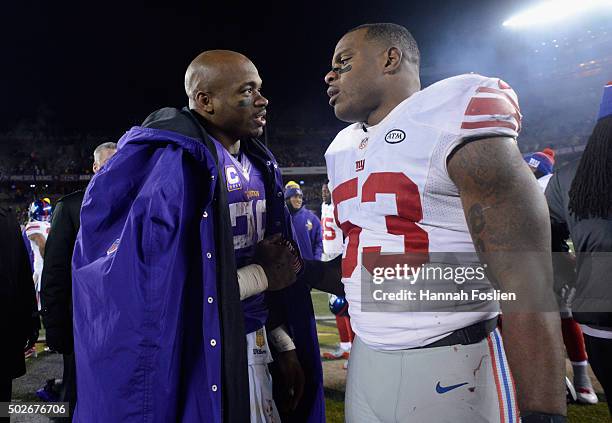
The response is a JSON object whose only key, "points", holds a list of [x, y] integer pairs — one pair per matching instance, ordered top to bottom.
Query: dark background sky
{"points": [[103, 66]]}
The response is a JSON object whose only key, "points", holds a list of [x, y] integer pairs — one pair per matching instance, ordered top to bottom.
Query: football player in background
{"points": [[541, 164], [438, 170], [580, 204], [37, 230], [332, 234], [332, 248]]}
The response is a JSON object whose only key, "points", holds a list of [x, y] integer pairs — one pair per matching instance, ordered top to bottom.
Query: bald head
{"points": [[209, 72], [224, 88], [102, 154]]}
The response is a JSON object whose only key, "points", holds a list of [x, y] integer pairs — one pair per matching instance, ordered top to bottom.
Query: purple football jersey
{"points": [[246, 195]]}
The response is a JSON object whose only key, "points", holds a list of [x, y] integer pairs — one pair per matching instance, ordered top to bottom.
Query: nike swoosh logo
{"points": [[445, 389]]}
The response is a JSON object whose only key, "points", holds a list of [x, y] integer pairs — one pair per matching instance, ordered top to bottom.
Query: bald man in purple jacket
{"points": [[161, 257]]}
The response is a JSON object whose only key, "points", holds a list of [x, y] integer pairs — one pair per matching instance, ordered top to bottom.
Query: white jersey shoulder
{"points": [[469, 105], [451, 110], [392, 191]]}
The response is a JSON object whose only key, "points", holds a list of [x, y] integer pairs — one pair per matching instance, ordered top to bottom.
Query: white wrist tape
{"points": [[252, 280], [280, 339]]}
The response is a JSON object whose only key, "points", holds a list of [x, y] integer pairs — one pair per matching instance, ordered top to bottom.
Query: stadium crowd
{"points": [[40, 156]]}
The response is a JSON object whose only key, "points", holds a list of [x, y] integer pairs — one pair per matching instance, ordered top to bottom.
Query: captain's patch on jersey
{"points": [[395, 136], [232, 178]]}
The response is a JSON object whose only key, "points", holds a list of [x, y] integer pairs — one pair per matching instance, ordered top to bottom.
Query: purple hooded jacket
{"points": [[309, 233], [153, 280]]}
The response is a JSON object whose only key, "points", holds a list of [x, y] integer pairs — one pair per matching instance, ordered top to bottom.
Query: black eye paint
{"points": [[345, 69], [245, 103]]}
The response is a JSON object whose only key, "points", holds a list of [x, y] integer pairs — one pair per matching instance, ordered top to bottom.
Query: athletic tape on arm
{"points": [[252, 280], [280, 339]]}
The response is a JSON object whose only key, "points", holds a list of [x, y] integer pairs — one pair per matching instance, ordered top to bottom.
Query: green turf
{"points": [[320, 302], [328, 334], [334, 407], [588, 413]]}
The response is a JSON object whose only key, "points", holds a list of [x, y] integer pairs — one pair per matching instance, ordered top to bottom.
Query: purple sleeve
{"points": [[316, 236]]}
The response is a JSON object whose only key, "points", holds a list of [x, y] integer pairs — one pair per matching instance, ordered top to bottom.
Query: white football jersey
{"points": [[392, 193], [42, 228], [332, 235]]}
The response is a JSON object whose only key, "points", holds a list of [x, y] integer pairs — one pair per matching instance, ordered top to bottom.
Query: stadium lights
{"points": [[554, 10]]}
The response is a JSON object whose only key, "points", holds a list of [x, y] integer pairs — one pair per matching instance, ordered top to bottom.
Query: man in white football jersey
{"points": [[438, 170], [37, 230], [332, 235], [332, 248]]}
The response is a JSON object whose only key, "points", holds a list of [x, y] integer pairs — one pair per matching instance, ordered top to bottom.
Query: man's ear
{"points": [[393, 59], [204, 102]]}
